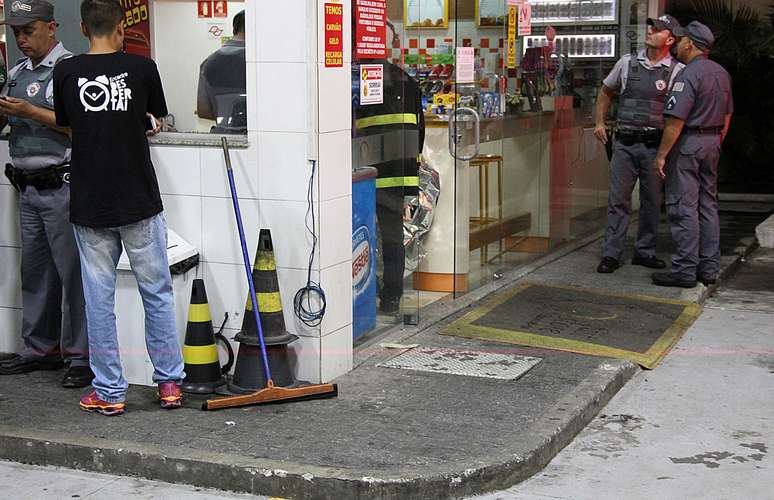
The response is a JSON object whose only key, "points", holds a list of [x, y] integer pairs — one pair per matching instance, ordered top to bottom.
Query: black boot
{"points": [[652, 262], [608, 265], [669, 279], [19, 364], [77, 376]]}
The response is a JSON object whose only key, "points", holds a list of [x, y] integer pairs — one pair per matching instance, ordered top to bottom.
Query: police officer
{"points": [[642, 82], [222, 94], [400, 113], [698, 113], [53, 329]]}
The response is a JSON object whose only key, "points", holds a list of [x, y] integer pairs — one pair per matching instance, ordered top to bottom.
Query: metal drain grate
{"points": [[467, 363]]}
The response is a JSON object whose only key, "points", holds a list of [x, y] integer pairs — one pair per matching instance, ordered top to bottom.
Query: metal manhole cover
{"points": [[467, 363]]}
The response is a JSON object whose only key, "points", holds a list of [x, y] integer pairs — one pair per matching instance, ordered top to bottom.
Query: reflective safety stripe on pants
{"points": [[391, 182]]}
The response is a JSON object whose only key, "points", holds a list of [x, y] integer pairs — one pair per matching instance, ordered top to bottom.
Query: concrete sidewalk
{"points": [[390, 434]]}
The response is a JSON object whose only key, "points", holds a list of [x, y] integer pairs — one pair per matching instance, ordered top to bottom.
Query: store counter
{"points": [[553, 171]]}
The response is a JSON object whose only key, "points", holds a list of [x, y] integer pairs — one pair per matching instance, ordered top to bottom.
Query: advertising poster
{"points": [[513, 16], [525, 18], [137, 27], [370, 29], [334, 33], [465, 65], [371, 84]]}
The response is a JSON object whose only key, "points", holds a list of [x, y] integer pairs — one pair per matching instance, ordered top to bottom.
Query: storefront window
{"points": [[199, 48], [200, 52], [510, 168]]}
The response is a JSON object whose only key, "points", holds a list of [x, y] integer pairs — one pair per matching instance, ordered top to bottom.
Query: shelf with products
{"points": [[558, 12], [597, 46]]}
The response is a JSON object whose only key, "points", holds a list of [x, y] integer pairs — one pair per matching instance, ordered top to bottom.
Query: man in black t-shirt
{"points": [[106, 97]]}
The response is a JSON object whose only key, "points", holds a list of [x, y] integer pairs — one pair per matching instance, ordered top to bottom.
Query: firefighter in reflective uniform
{"points": [[642, 81], [400, 111], [698, 114], [53, 316]]}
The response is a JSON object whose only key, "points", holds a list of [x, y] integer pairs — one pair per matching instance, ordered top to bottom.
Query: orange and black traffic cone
{"points": [[203, 373], [249, 375]]}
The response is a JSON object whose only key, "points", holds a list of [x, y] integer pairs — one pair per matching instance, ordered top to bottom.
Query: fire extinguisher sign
{"points": [[371, 84]]}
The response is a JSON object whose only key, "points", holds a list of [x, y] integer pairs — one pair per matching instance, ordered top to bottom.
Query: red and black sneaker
{"points": [[170, 395], [91, 402]]}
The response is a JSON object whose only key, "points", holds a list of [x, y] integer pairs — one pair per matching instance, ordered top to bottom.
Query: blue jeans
{"points": [[146, 246]]}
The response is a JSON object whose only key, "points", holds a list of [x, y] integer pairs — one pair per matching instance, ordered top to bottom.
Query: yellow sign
{"points": [[512, 21]]}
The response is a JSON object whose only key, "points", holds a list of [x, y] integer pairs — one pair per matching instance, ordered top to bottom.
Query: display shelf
{"points": [[559, 12], [598, 46]]}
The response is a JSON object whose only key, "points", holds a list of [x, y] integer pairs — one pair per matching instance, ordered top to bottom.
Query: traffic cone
{"points": [[202, 367], [249, 375]]}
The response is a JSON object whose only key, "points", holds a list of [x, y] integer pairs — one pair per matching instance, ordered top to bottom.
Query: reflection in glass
{"points": [[222, 94]]}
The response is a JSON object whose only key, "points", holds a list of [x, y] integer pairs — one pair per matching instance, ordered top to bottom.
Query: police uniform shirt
{"points": [[57, 53], [618, 76], [701, 96]]}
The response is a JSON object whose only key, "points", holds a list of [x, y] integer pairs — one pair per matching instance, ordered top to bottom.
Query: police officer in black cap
{"points": [[642, 81], [698, 113], [53, 317]]}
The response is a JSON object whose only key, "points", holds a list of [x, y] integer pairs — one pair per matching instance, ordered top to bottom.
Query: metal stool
{"points": [[482, 162]]}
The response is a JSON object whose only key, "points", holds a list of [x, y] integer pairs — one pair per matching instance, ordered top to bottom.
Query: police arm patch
{"points": [[678, 87], [671, 103]]}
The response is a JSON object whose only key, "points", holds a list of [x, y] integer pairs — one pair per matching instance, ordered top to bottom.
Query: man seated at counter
{"points": [[642, 83], [222, 94]]}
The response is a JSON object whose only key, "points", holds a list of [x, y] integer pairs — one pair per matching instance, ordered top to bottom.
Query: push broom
{"points": [[270, 393]]}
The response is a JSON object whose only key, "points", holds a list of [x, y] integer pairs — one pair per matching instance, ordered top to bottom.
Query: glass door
{"points": [[456, 50]]}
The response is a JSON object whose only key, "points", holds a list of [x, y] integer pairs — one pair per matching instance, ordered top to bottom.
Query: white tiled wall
{"points": [[286, 77], [284, 85], [335, 96], [335, 165], [283, 168], [177, 170], [9, 216], [336, 227], [10, 282], [337, 283], [10, 339], [336, 353]]}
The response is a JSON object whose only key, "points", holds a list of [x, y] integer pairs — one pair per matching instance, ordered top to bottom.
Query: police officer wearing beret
{"points": [[642, 81], [698, 113], [53, 317]]}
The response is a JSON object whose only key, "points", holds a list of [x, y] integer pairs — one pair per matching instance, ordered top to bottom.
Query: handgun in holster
{"points": [[9, 173]]}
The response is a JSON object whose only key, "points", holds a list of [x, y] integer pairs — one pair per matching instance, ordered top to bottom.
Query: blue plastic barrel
{"points": [[363, 250]]}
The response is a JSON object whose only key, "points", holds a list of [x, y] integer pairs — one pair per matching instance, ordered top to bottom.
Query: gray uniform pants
{"points": [[627, 165], [692, 205], [51, 272]]}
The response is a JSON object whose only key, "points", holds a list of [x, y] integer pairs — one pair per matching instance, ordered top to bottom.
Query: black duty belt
{"points": [[703, 130], [630, 137], [43, 178]]}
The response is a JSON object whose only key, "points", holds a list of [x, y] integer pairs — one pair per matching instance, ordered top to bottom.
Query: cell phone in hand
{"points": [[151, 124]]}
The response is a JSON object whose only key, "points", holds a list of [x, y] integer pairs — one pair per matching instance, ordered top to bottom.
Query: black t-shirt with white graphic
{"points": [[104, 98]]}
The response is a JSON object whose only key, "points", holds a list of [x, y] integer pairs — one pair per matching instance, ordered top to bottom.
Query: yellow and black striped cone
{"points": [[202, 367], [249, 375]]}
